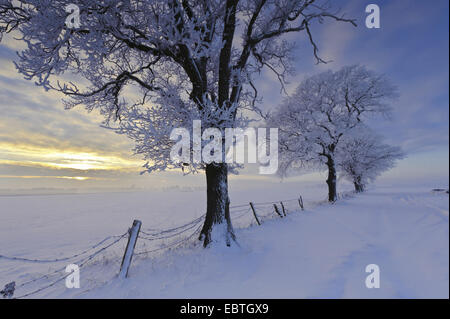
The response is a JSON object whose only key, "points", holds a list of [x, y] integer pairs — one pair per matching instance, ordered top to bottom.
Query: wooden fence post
{"points": [[300, 202], [282, 208], [277, 211], [254, 213], [132, 239]]}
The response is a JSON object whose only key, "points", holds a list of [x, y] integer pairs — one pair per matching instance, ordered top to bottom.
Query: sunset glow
{"points": [[46, 163], [78, 178]]}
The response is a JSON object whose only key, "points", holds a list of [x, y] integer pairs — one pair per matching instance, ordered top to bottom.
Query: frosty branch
{"points": [[324, 109], [362, 157]]}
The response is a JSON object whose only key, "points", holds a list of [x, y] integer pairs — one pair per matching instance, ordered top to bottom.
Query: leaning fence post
{"points": [[300, 202], [282, 208], [277, 211], [254, 213], [132, 239]]}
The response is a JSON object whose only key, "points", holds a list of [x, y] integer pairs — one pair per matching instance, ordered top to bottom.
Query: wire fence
{"points": [[149, 241], [81, 263]]}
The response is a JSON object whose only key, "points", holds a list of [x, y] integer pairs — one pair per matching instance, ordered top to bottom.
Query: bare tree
{"points": [[156, 65], [323, 109], [362, 157]]}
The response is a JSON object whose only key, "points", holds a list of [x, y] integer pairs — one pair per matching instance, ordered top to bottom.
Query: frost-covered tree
{"points": [[156, 65], [323, 109], [362, 157]]}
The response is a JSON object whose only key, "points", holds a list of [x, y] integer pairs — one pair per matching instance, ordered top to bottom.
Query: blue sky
{"points": [[42, 145]]}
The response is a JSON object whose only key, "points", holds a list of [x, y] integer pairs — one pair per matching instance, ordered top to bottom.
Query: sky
{"points": [[46, 148]]}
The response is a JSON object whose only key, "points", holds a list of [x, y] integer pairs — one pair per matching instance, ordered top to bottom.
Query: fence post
{"points": [[300, 202], [282, 208], [277, 211], [254, 213], [132, 239]]}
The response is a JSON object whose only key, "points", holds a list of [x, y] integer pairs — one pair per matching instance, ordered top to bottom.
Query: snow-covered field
{"points": [[321, 252]]}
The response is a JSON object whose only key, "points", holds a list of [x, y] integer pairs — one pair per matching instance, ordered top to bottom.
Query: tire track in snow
{"points": [[386, 237]]}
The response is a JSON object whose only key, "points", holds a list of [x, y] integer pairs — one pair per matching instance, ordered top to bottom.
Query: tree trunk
{"points": [[331, 180], [359, 187], [217, 226]]}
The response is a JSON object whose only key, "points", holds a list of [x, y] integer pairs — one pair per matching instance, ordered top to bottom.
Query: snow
{"points": [[321, 252]]}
